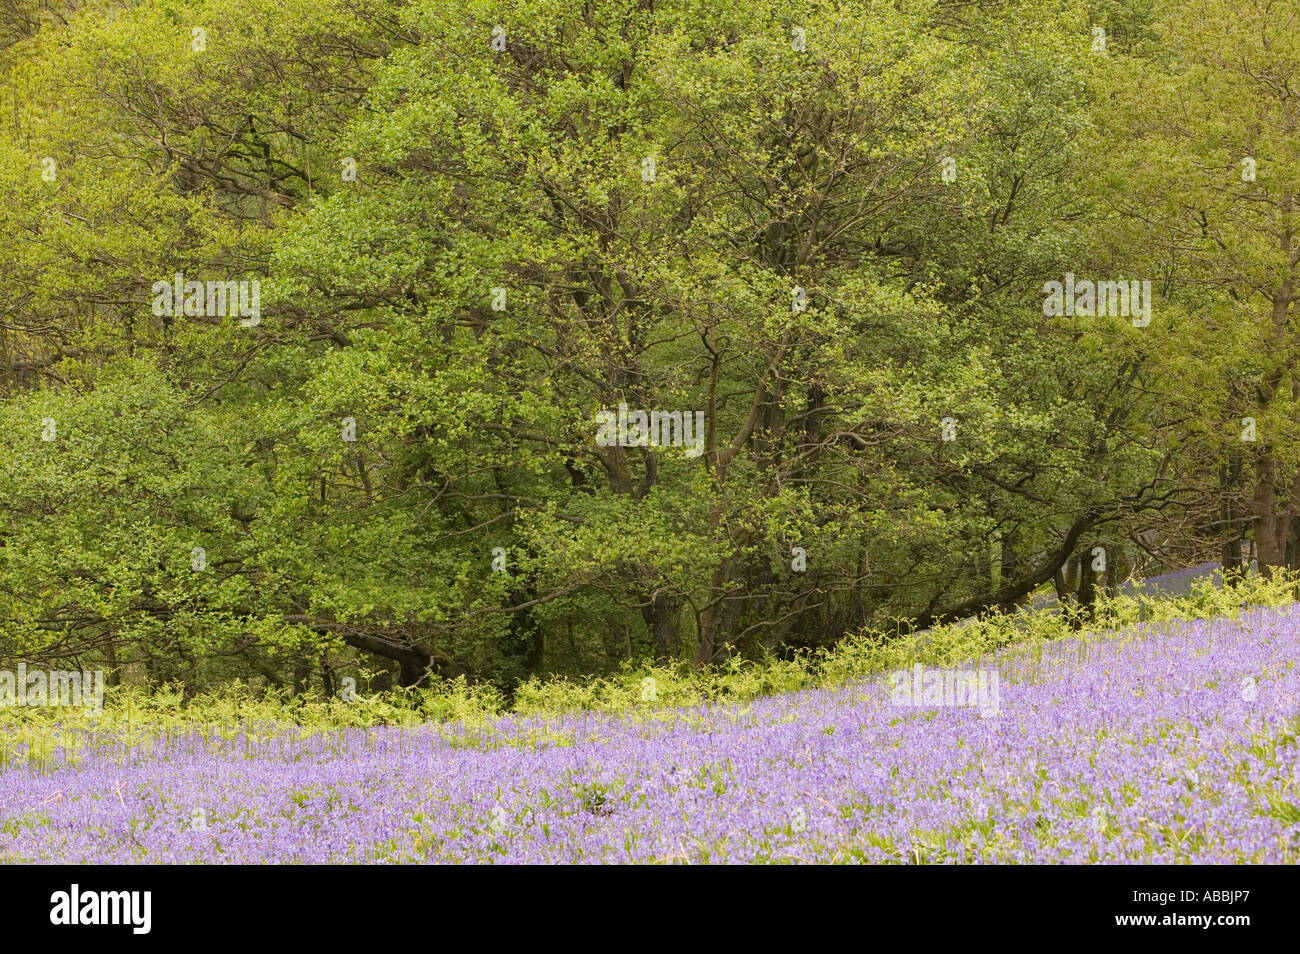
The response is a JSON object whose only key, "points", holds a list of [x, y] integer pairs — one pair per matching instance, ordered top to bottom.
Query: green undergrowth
{"points": [[133, 715]]}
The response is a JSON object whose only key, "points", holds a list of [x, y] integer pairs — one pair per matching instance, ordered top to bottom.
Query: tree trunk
{"points": [[1272, 518], [1269, 549], [1230, 554], [1009, 563], [1087, 597], [663, 618], [707, 639], [414, 658], [411, 673], [114, 675], [326, 676]]}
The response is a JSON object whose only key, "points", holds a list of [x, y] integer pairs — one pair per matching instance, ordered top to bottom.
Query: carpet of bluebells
{"points": [[1161, 743]]}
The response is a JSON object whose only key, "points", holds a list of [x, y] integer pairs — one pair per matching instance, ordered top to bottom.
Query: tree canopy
{"points": [[326, 326]]}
